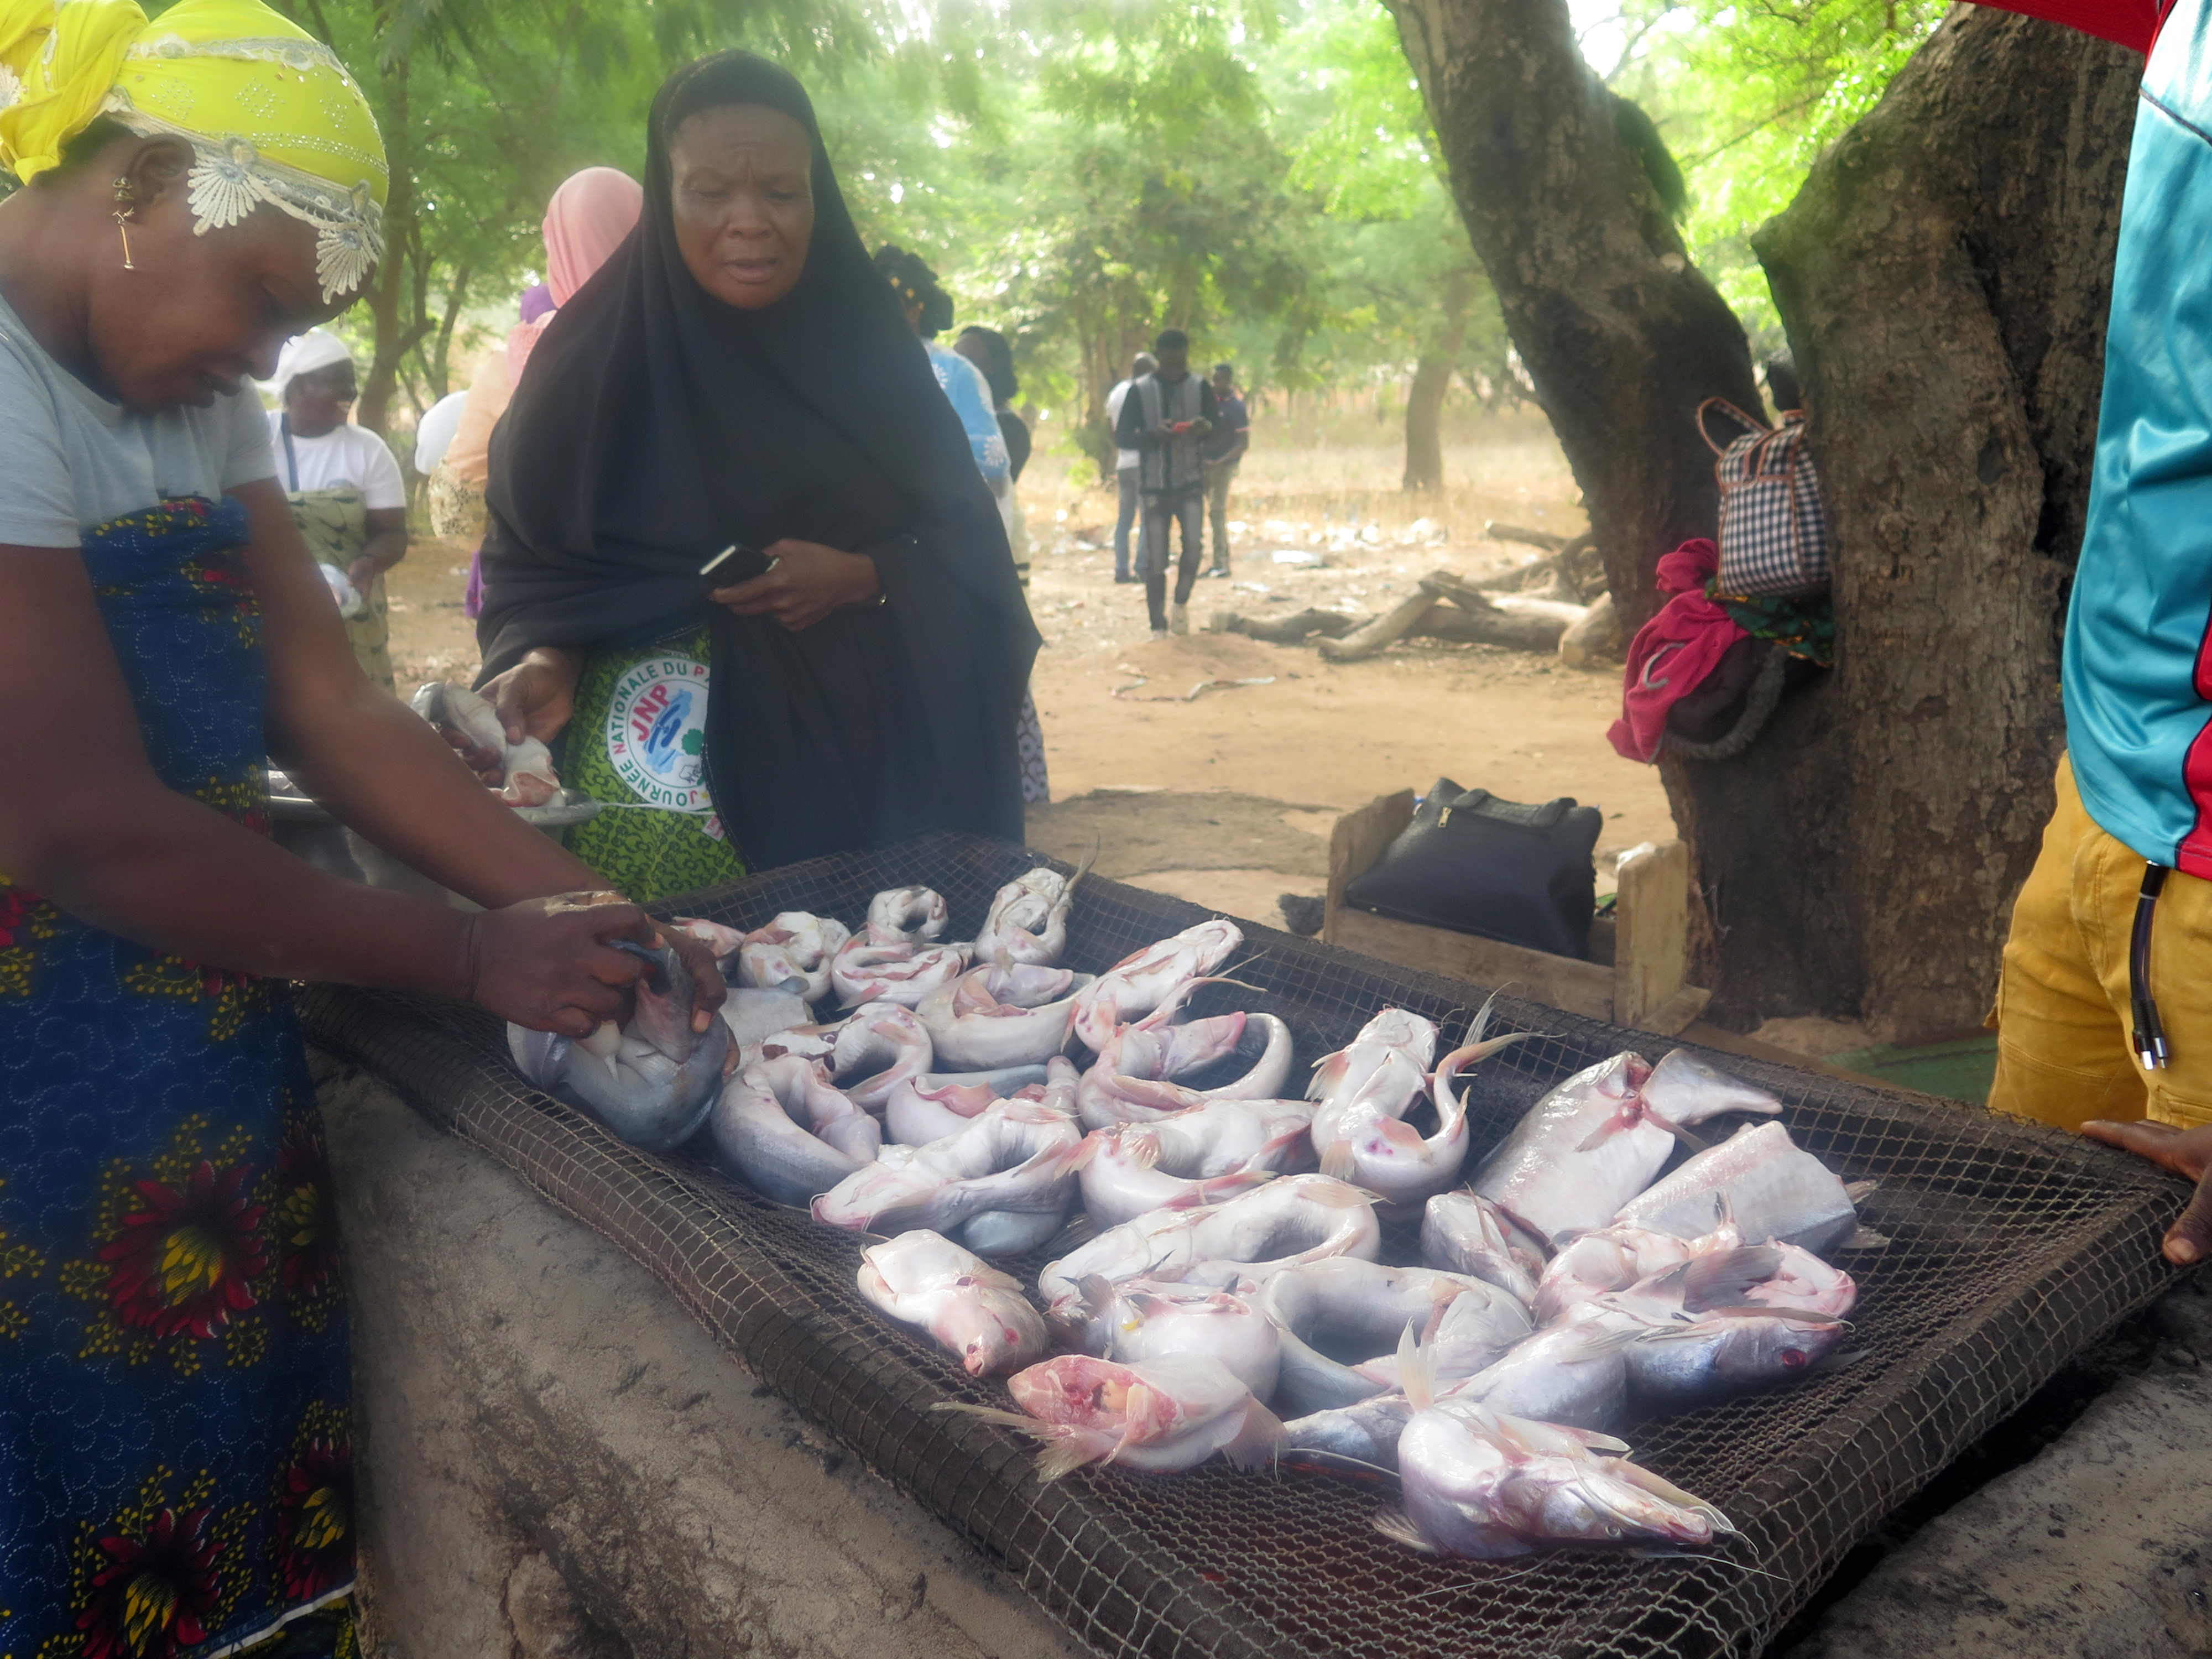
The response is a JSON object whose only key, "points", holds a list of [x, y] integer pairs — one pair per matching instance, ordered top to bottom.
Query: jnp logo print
{"points": [[656, 732]]}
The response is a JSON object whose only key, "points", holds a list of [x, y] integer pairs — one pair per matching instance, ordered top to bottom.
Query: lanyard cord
{"points": [[2148, 1036]]}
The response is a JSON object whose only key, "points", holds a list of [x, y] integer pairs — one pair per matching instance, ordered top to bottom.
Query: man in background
{"points": [[1165, 418], [1231, 436], [1125, 469]]}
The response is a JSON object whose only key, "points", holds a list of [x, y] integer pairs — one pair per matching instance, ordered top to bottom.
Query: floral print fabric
{"points": [[175, 1452]]}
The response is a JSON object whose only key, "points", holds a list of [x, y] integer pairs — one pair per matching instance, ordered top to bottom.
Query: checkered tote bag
{"points": [[1774, 538]]}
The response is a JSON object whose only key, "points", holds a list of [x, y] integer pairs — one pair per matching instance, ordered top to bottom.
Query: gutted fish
{"points": [[531, 779], [906, 915], [1028, 918], [794, 952], [865, 970], [1144, 979], [753, 1015], [996, 1015], [880, 1047], [1383, 1069], [1133, 1080], [652, 1081], [780, 1126], [1596, 1140], [1372, 1146], [1017, 1156], [1202, 1156], [1773, 1188], [1464, 1233], [1615, 1258], [969, 1307], [1337, 1314], [1147, 1319], [1704, 1336], [1571, 1374], [1160, 1415], [1365, 1432], [1480, 1482]]}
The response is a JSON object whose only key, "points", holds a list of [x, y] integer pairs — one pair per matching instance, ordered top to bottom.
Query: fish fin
{"points": [[1620, 1120], [1692, 1143], [1142, 1148], [1272, 1151], [1337, 1162], [1234, 1185], [1857, 1191], [904, 1216], [1864, 1239], [1719, 1279], [1095, 1290], [1598, 1340], [1836, 1362], [1417, 1371], [1258, 1442], [1070, 1448], [1637, 1476], [1398, 1527]]}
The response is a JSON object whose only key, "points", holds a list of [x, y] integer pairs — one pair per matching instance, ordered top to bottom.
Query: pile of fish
{"points": [[1216, 1282]]}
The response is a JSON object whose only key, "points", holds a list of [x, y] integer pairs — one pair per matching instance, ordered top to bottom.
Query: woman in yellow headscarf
{"points": [[175, 1454]]}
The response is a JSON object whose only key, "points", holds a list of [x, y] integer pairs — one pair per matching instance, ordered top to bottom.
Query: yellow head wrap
{"points": [[271, 113]]}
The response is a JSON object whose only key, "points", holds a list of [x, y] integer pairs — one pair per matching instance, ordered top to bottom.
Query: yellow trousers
{"points": [[2062, 1019]]}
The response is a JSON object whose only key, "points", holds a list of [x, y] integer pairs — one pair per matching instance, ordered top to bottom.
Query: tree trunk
{"points": [[1944, 276], [1424, 398]]}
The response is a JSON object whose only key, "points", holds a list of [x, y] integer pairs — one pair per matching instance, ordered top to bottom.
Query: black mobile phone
{"points": [[736, 563]]}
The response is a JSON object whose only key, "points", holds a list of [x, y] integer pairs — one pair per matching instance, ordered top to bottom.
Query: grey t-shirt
{"points": [[70, 460]]}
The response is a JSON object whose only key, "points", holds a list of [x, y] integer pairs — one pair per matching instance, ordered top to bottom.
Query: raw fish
{"points": [[531, 779], [906, 915], [1028, 918], [867, 969], [1144, 979], [995, 1015], [1385, 1067], [1132, 1080], [651, 1082], [780, 1126], [1596, 1140], [1372, 1146], [1017, 1156], [1202, 1156], [1773, 1188], [1464, 1233], [972, 1309], [1357, 1309], [1144, 1320], [1160, 1415]]}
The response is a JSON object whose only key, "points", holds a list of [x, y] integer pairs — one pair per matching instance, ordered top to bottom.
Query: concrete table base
{"points": [[556, 1460]]}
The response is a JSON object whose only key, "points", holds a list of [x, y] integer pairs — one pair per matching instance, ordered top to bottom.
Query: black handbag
{"points": [[1473, 863]]}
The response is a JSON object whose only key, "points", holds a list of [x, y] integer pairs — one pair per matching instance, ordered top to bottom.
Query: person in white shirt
{"points": [[1125, 465], [344, 487]]}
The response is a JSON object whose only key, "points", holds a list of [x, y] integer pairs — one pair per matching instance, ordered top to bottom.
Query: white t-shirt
{"points": [[345, 458], [70, 460], [1125, 460]]}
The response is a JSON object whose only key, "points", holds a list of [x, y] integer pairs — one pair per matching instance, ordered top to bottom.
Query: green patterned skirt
{"points": [[637, 743]]}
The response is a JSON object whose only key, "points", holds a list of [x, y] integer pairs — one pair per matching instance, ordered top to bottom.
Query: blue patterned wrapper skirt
{"points": [[176, 1470]]}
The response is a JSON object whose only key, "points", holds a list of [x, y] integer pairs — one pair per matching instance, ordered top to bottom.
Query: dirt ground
{"points": [[1150, 774]]}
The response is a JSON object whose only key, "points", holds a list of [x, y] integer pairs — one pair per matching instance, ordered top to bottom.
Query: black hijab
{"points": [[656, 425]]}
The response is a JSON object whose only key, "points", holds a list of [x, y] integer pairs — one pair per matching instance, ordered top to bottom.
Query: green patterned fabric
{"points": [[335, 525], [1803, 628], [637, 743]]}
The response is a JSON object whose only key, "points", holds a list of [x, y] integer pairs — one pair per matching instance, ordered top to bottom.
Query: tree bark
{"points": [[1944, 276], [1432, 373]]}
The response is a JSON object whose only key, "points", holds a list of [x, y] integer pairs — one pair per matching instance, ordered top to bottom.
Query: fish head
{"points": [[665, 996], [1685, 1089], [985, 1331], [1757, 1346], [1075, 1390]]}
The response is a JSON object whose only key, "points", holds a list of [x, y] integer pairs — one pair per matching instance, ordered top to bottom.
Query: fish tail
{"points": [[1337, 1162], [1417, 1371], [1069, 1449]]}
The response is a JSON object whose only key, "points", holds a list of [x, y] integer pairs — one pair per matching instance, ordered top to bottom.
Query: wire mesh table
{"points": [[2012, 1247]]}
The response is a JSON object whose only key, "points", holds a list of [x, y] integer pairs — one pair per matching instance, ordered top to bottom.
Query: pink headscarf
{"points": [[586, 220]]}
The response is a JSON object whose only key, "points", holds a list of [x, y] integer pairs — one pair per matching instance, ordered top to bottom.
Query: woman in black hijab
{"points": [[737, 376]]}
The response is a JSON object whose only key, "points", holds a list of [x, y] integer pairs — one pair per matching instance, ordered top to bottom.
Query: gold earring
{"points": [[129, 206]]}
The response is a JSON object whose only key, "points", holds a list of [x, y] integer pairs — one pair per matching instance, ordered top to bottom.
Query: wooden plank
{"points": [[1368, 640], [1358, 840], [1651, 936], [1580, 987], [1679, 1012]]}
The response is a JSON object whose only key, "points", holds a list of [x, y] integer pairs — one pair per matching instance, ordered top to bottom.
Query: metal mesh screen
{"points": [[2012, 1248]]}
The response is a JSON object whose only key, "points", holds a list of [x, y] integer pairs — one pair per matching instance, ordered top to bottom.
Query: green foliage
{"points": [[1747, 95]]}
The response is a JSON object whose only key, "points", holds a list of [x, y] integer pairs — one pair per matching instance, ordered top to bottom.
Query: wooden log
{"points": [[1514, 533], [1294, 630], [1513, 630], [1368, 640], [1595, 641]]}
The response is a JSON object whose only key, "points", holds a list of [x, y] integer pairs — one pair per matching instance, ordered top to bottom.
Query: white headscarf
{"points": [[304, 354]]}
